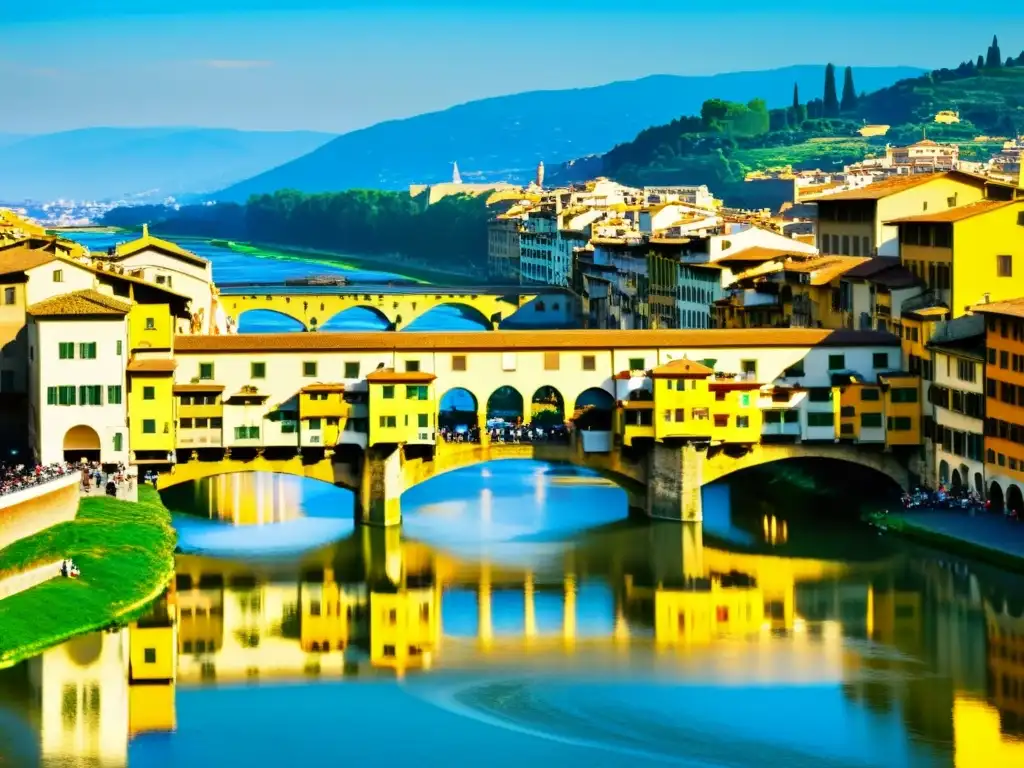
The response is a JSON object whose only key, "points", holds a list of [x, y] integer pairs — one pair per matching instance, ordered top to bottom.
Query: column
{"points": [[481, 423], [674, 479], [378, 501], [569, 609]]}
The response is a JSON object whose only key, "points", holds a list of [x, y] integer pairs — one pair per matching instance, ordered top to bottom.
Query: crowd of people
{"points": [[509, 433], [17, 477], [94, 477], [945, 498]]}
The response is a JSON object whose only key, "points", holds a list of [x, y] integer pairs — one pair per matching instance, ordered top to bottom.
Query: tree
{"points": [[994, 59], [981, 62], [796, 96], [829, 99], [849, 102]]}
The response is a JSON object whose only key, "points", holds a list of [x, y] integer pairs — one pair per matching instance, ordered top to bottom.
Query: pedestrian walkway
{"points": [[127, 490], [986, 530]]}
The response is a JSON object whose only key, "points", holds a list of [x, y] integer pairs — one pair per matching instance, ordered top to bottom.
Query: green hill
{"points": [[728, 140]]}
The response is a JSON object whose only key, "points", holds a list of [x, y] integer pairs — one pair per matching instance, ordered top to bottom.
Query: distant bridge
{"points": [[398, 304]]}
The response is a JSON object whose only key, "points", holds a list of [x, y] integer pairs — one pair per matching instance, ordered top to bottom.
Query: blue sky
{"points": [[337, 65]]}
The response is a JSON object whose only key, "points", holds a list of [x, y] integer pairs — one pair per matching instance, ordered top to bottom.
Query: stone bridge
{"points": [[490, 306], [663, 481]]}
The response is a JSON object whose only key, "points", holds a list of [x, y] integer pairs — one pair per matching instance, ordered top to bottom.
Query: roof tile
{"points": [[87, 303]]}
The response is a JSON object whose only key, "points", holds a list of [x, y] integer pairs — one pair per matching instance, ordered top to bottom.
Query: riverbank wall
{"points": [[29, 511], [993, 539]]}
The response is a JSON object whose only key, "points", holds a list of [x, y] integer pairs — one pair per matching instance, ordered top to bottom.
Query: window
{"points": [[1004, 266], [58, 275], [9, 296], [150, 324], [118, 347], [67, 350], [87, 350], [880, 360], [551, 361], [458, 362], [836, 362], [589, 363], [636, 364], [412, 366], [749, 367], [309, 369], [257, 370], [351, 370], [966, 370], [206, 371], [794, 371], [388, 392], [416, 392], [149, 393], [114, 394], [819, 394], [869, 394], [66, 395], [90, 395], [903, 395], [745, 400], [847, 411], [791, 416], [820, 419], [870, 420], [422, 421], [388, 422], [742, 422], [185, 423], [900, 423], [314, 424], [148, 427], [118, 442], [149, 655]]}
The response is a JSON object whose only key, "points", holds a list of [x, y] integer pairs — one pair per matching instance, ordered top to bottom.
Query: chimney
{"points": [[145, 230]]}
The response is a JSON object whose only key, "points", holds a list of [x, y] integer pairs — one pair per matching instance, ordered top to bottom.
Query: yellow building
{"points": [[855, 222], [965, 255], [902, 399], [151, 400], [682, 400], [402, 406], [861, 410], [200, 411], [322, 414], [735, 415], [720, 605], [330, 614], [405, 628]]}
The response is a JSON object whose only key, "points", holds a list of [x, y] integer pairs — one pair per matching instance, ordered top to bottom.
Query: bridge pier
{"points": [[674, 478], [378, 501]]}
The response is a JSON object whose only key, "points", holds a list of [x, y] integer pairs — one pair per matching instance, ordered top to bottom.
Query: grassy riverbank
{"points": [[126, 553]]}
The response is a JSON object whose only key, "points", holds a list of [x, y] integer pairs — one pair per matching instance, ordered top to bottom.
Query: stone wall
{"points": [[674, 480], [26, 513], [19, 582]]}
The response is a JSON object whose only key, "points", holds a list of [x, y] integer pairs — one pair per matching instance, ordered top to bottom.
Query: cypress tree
{"points": [[995, 59], [981, 62], [796, 96], [830, 102], [849, 102]]}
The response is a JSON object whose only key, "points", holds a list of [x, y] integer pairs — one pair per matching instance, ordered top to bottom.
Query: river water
{"points": [[520, 617]]}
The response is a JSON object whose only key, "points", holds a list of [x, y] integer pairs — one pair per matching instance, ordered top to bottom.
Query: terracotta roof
{"points": [[881, 189], [959, 213], [157, 244], [755, 253], [14, 260], [873, 265], [826, 273], [85, 303], [1010, 308], [509, 341], [152, 365], [682, 369], [391, 376], [728, 385], [184, 388], [309, 389], [242, 394]]}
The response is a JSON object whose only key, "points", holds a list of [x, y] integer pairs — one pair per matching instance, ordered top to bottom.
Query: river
{"points": [[520, 616]]}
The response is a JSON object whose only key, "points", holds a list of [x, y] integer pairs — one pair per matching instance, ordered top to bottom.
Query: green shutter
{"points": [[51, 395]]}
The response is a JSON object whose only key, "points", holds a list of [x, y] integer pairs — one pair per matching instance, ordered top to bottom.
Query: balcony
{"points": [[200, 438]]}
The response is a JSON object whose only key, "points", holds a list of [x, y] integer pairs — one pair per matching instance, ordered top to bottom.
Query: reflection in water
{"points": [[617, 641]]}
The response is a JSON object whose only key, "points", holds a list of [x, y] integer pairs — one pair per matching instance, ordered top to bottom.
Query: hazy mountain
{"points": [[505, 136], [7, 139], [121, 163]]}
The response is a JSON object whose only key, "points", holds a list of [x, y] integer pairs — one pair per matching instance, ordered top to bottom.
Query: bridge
{"points": [[397, 305], [663, 481]]}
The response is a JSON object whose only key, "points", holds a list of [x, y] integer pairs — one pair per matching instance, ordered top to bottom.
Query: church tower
{"points": [[540, 175], [456, 177]]}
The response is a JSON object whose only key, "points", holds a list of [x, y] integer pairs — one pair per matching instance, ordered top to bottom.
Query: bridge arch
{"points": [[449, 316], [360, 317], [269, 321], [506, 403], [547, 406], [458, 408], [594, 409], [81, 442], [720, 464], [943, 471], [995, 497], [1015, 500]]}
